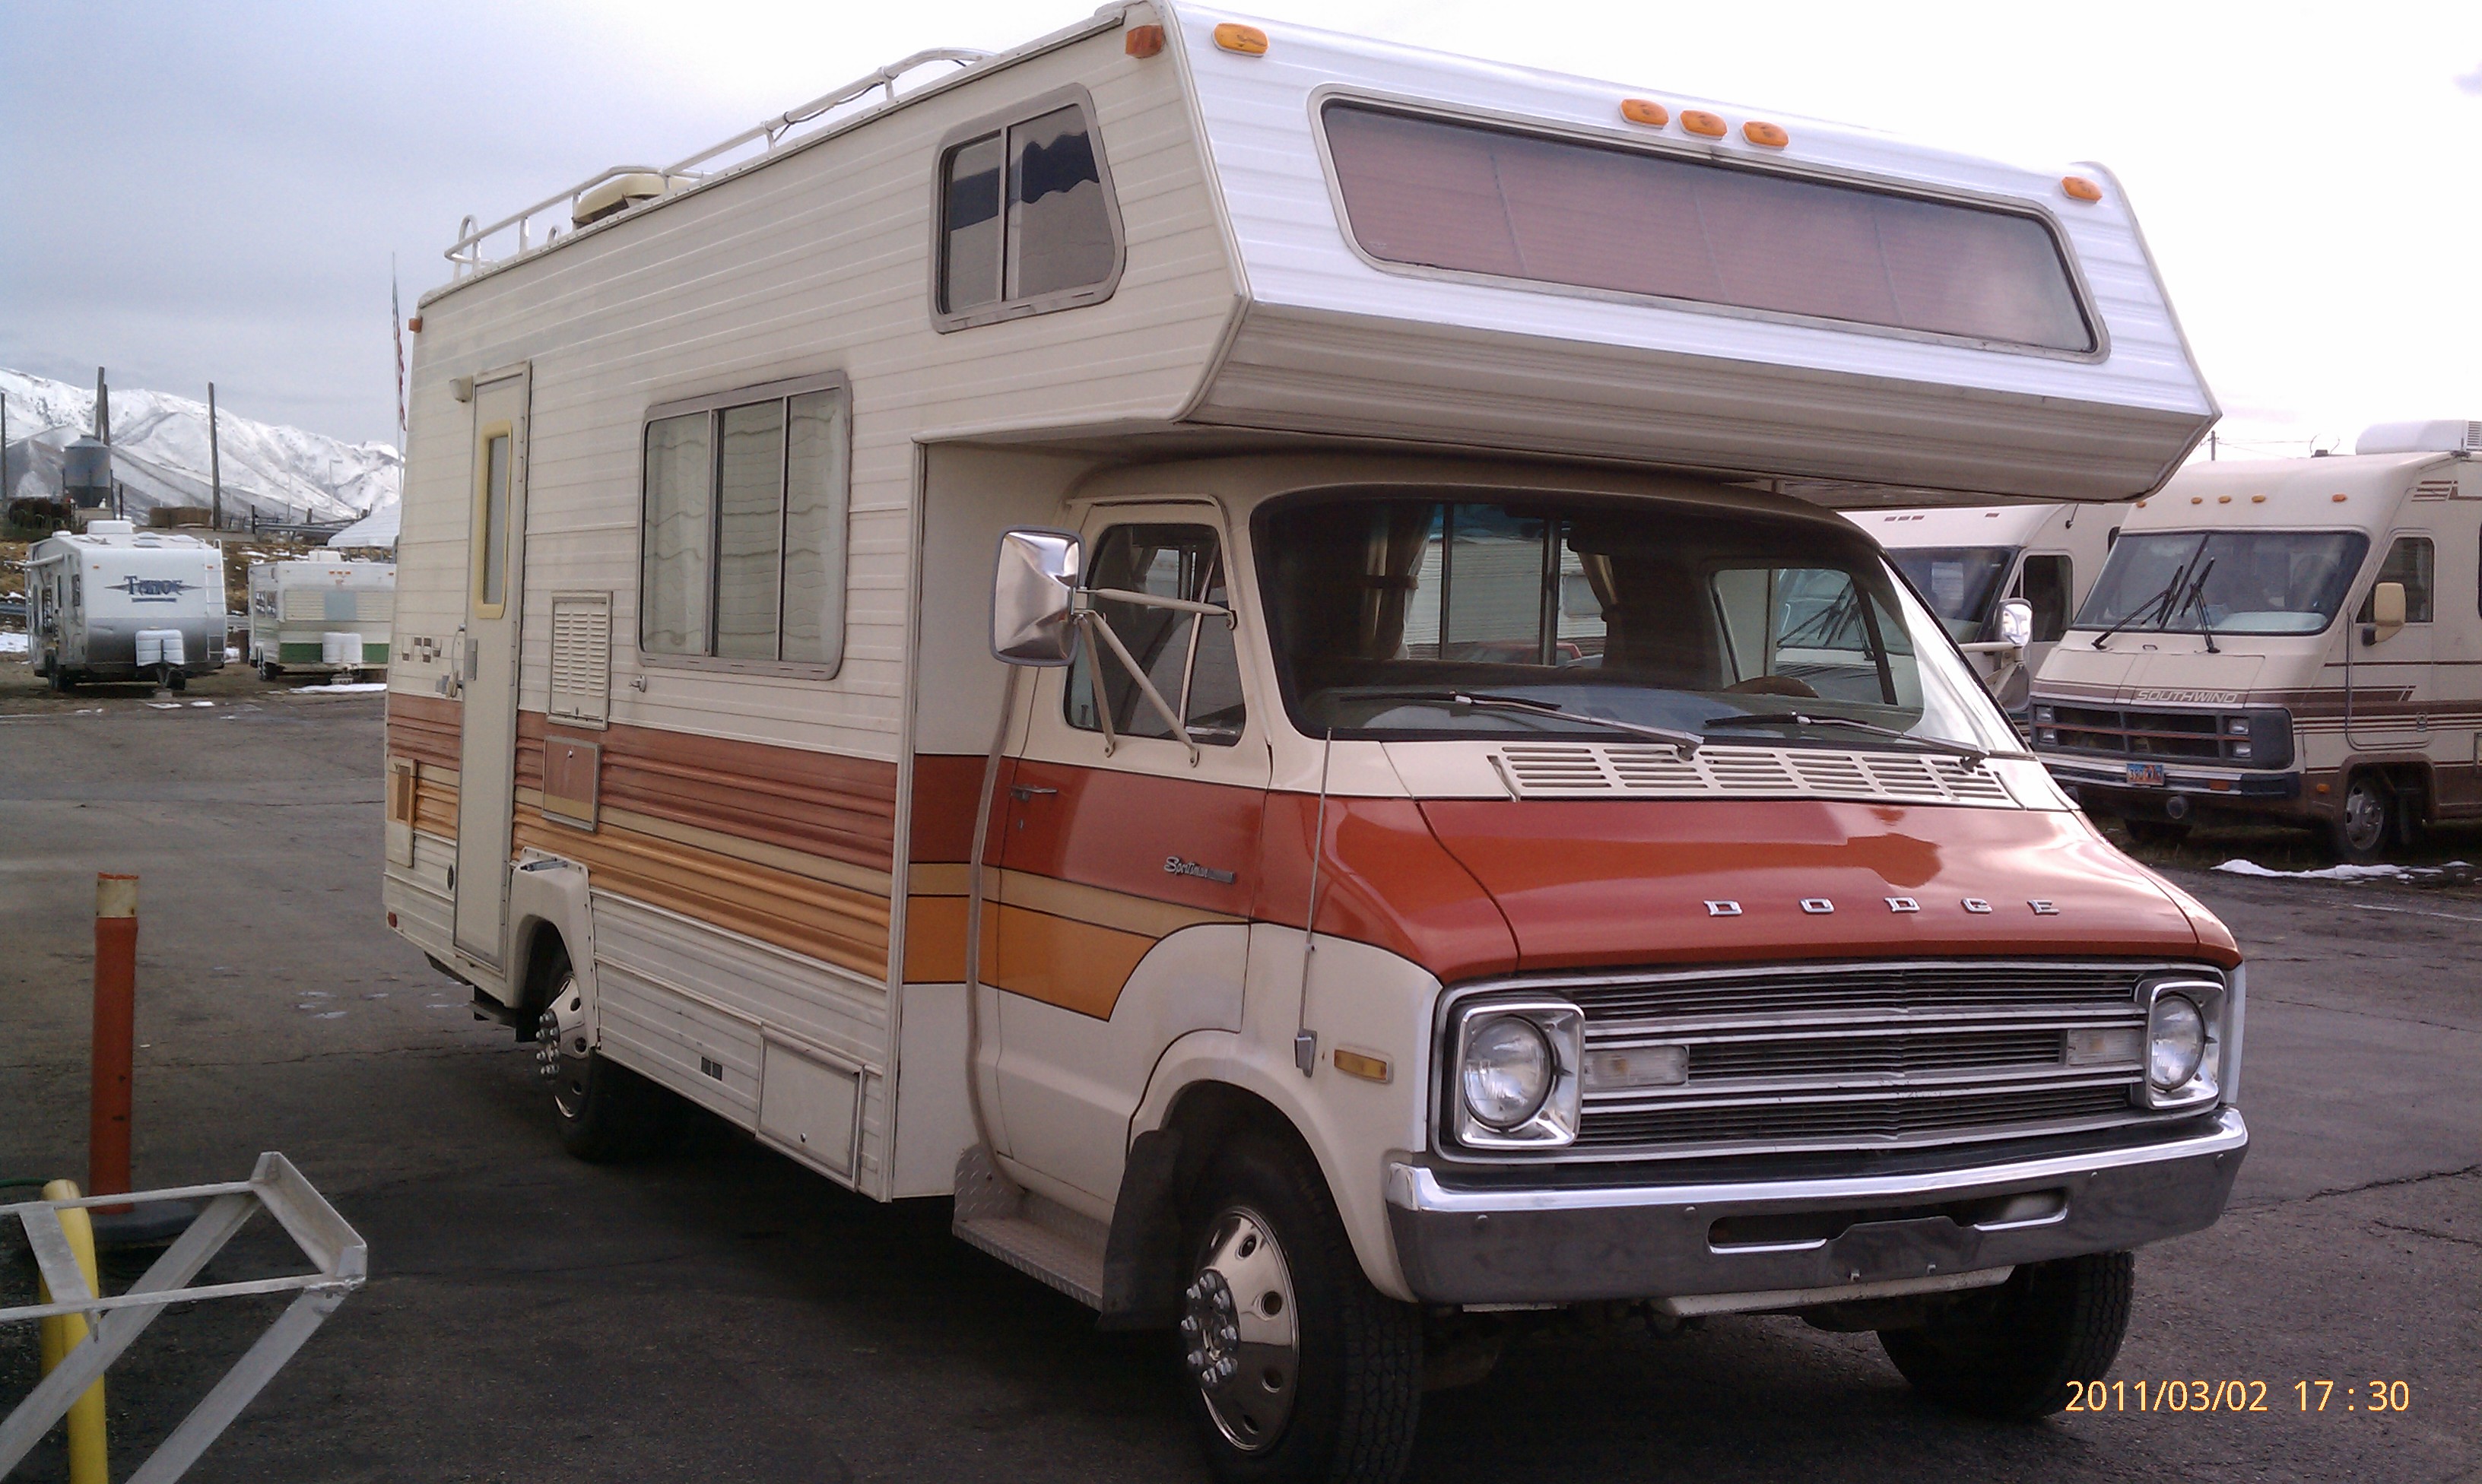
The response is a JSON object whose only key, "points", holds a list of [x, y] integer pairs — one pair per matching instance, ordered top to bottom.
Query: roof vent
{"points": [[617, 196], [2445, 435]]}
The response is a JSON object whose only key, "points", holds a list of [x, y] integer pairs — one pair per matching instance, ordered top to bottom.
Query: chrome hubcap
{"points": [[2365, 817], [561, 1048], [1241, 1340]]}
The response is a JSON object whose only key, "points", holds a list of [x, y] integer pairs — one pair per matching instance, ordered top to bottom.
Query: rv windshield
{"points": [[2225, 581], [1958, 582], [1405, 619]]}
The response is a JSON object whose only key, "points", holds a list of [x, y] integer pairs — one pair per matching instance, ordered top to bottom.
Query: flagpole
{"points": [[396, 326]]}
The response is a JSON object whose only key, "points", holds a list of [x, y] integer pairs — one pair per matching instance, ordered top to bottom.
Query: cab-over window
{"points": [[1026, 218]]}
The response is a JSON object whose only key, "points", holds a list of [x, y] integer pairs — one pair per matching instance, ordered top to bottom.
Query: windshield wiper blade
{"points": [[2197, 599], [2161, 603], [1686, 742], [1971, 754]]}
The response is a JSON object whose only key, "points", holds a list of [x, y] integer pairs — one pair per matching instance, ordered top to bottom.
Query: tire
{"points": [[268, 670], [59, 679], [179, 681], [2364, 830], [2155, 832], [607, 1113], [2012, 1352], [1299, 1369]]}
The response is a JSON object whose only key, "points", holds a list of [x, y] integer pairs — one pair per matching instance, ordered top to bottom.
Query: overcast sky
{"points": [[201, 192]]}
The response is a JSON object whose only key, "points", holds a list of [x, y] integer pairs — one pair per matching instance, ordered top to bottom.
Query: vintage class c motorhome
{"points": [[1969, 562], [2294, 639], [1231, 646]]}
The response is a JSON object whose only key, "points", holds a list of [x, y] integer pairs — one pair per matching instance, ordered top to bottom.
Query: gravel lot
{"points": [[719, 1315]]}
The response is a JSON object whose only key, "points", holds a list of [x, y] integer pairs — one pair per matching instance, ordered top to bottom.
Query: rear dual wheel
{"points": [[606, 1113], [1298, 1368]]}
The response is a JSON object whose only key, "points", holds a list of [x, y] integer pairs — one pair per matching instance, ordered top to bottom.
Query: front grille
{"points": [[2123, 732], [1866, 1055]]}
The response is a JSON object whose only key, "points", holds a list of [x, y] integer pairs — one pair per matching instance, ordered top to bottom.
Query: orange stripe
{"points": [[1076, 966]]}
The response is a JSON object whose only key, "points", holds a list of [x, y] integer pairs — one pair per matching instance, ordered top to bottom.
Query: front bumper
{"points": [[2206, 785], [1469, 1242]]}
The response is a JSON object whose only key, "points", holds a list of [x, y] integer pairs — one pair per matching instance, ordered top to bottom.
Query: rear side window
{"points": [[1028, 222], [2409, 561], [2046, 586]]}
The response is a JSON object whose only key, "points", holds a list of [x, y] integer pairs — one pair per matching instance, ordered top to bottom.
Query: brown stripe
{"points": [[425, 728], [947, 788], [435, 802], [817, 803], [815, 918]]}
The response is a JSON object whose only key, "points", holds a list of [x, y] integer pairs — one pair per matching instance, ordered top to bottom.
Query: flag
{"points": [[396, 320]]}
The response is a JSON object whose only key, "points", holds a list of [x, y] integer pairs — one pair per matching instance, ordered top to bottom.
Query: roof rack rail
{"points": [[466, 251]]}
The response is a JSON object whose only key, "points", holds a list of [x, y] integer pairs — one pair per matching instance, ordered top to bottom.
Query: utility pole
{"points": [[4, 447], [2212, 454], [215, 465]]}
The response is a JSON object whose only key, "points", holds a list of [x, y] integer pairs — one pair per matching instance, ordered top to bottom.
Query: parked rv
{"points": [[1969, 562], [114, 602], [320, 615], [1146, 634], [2287, 640]]}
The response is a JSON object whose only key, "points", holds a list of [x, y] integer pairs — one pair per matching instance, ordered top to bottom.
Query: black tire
{"points": [[268, 670], [59, 679], [179, 681], [2366, 829], [607, 1113], [2012, 1352], [1356, 1392]]}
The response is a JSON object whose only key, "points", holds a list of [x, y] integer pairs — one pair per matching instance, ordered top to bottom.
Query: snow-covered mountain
{"points": [[159, 452]]}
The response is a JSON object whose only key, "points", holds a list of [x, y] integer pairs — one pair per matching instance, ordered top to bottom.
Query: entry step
{"points": [[1038, 1236]]}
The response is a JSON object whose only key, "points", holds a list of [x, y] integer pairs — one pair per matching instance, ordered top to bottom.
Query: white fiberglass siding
{"points": [[815, 262]]}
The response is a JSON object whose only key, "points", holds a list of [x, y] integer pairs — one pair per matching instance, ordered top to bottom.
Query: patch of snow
{"points": [[13, 644], [366, 685], [2241, 868]]}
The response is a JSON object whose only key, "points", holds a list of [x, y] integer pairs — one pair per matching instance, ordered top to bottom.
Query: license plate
{"points": [[2146, 774]]}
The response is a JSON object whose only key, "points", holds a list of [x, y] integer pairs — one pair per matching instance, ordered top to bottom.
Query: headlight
{"points": [[2176, 1043], [1517, 1065], [1507, 1071]]}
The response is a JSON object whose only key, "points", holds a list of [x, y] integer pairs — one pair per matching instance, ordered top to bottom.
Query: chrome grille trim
{"points": [[1725, 770], [1855, 1055]]}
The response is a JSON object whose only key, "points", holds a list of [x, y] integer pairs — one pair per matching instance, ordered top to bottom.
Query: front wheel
{"points": [[2365, 830], [2167, 833], [606, 1113], [2013, 1351], [1299, 1369]]}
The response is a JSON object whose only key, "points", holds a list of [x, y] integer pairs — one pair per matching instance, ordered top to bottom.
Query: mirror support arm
{"points": [[1094, 624]]}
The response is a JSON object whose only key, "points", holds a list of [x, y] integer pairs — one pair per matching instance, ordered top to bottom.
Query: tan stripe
{"points": [[758, 852], [1119, 911]]}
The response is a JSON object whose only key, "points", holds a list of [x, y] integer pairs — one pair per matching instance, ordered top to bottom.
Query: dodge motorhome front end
{"points": [[1234, 649]]}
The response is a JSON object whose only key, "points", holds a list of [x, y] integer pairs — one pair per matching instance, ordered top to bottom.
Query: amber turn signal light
{"points": [[1143, 40], [1248, 40], [1653, 116], [1699, 122], [1767, 133], [2080, 189]]}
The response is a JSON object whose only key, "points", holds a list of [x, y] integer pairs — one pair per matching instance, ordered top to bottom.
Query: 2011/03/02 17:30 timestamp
{"points": [[2232, 1396]]}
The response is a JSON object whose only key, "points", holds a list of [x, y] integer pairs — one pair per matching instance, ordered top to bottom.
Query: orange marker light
{"points": [[1143, 40], [1248, 40], [1653, 116], [1699, 122], [1767, 133], [2080, 189], [2258, 498], [2338, 498], [2196, 499], [2223, 499]]}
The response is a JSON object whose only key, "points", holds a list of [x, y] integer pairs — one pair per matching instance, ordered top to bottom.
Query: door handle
{"points": [[1024, 792]]}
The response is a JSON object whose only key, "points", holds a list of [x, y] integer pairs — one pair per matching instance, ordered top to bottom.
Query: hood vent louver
{"points": [[1587, 771]]}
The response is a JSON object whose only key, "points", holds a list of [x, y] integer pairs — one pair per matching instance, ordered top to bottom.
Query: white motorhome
{"points": [[1968, 561], [116, 603], [320, 615], [2287, 640], [1429, 817]]}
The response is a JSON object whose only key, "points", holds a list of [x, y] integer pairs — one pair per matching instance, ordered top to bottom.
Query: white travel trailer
{"points": [[1967, 562], [114, 602], [320, 615], [2208, 673], [1291, 903]]}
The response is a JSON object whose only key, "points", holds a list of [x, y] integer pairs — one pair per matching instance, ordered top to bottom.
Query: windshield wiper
{"points": [[2197, 599], [2161, 603], [1686, 742], [1971, 754]]}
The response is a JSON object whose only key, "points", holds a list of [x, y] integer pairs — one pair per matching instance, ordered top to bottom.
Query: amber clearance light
{"points": [[1143, 40], [1248, 40], [1644, 111], [1706, 125], [1769, 135], [2080, 189]]}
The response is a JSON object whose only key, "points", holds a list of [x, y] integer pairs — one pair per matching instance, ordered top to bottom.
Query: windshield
{"points": [[1958, 582], [2231, 582], [1386, 611]]}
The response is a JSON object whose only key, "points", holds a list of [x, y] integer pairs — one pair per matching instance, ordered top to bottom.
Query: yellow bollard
{"points": [[89, 1462]]}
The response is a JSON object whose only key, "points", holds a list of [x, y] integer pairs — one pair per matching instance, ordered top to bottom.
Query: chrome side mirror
{"points": [[1033, 588], [2387, 612], [2017, 622]]}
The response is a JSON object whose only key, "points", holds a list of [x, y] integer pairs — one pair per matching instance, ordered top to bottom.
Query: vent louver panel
{"points": [[581, 657], [1583, 770]]}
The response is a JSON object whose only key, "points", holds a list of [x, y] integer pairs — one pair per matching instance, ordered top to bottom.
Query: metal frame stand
{"points": [[331, 1245]]}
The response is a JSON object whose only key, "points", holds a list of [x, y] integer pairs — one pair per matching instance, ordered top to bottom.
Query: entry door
{"points": [[487, 763], [1127, 868]]}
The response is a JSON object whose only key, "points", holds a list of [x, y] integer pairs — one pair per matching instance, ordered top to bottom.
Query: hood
{"points": [[1591, 883]]}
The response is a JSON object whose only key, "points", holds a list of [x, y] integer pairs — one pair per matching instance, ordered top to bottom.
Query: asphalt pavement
{"points": [[719, 1315]]}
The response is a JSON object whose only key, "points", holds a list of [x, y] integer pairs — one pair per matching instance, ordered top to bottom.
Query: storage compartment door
{"points": [[808, 1107]]}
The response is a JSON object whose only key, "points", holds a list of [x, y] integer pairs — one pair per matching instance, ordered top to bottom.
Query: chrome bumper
{"points": [[1476, 1244]]}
